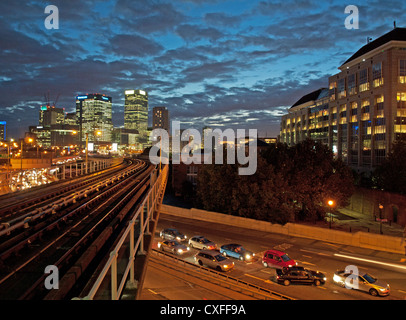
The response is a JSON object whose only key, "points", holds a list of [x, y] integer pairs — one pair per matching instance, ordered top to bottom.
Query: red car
{"points": [[278, 259]]}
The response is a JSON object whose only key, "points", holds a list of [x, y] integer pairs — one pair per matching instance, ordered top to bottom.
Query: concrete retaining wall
{"points": [[357, 239]]}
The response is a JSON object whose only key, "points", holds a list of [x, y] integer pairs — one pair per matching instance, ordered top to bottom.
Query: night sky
{"points": [[225, 64]]}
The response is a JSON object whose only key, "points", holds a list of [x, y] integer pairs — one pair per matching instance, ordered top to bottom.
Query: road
{"points": [[316, 255]]}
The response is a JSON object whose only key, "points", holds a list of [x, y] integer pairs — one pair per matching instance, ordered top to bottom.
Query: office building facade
{"points": [[363, 111], [136, 115], [94, 117], [160, 118]]}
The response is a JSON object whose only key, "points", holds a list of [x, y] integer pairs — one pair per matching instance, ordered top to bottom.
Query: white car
{"points": [[200, 242], [214, 259]]}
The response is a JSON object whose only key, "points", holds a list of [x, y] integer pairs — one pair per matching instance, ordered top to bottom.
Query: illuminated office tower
{"points": [[136, 110], [136, 114], [50, 115], [94, 117], [160, 118], [3, 130]]}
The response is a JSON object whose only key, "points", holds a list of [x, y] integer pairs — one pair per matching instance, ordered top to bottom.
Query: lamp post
{"points": [[87, 141], [331, 204], [380, 218]]}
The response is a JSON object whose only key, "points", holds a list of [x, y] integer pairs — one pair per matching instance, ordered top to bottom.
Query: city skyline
{"points": [[226, 64]]}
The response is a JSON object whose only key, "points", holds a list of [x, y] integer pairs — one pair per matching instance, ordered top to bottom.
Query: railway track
{"points": [[13, 203], [70, 236]]}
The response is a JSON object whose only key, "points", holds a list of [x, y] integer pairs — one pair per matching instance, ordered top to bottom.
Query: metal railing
{"points": [[24, 179], [119, 270]]}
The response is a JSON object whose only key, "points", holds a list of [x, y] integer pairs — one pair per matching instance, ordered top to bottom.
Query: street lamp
{"points": [[331, 204], [380, 218]]}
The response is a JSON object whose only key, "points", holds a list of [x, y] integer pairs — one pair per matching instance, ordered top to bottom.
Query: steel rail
{"points": [[57, 190], [81, 207], [110, 213], [22, 220]]}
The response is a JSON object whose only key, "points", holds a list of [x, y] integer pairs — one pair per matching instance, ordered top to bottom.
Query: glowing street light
{"points": [[331, 204]]}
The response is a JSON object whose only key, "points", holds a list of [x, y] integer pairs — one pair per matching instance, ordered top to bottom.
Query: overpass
{"points": [[94, 230], [124, 271]]}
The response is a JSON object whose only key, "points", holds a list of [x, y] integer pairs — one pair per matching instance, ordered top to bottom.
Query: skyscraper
{"points": [[136, 110], [136, 114], [51, 115], [94, 117], [160, 118]]}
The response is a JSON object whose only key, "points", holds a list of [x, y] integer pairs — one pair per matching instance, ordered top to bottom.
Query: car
{"points": [[172, 234], [200, 242], [173, 246], [236, 251], [214, 259], [278, 259], [298, 274], [362, 281]]}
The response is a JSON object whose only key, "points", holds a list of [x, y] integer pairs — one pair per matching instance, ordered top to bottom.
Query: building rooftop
{"points": [[397, 34], [312, 96]]}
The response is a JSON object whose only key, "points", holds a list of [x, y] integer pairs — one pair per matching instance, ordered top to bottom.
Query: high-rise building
{"points": [[364, 109], [136, 110], [50, 115], [136, 115], [94, 117], [160, 118], [3, 130]]}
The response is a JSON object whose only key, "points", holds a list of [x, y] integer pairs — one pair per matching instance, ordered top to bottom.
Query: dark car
{"points": [[172, 234], [299, 275]]}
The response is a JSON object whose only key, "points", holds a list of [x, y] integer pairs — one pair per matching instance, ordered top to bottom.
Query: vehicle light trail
{"points": [[371, 261]]}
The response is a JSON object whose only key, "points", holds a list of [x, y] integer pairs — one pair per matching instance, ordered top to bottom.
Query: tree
{"points": [[391, 174], [289, 182]]}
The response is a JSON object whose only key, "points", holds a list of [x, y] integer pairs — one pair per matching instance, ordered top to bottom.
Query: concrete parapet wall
{"points": [[357, 239]]}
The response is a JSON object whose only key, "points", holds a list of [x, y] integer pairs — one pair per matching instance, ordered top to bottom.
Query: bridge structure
{"points": [[95, 231], [124, 272]]}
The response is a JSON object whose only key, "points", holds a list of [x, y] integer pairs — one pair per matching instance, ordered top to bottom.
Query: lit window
{"points": [[402, 71], [377, 78], [363, 80]]}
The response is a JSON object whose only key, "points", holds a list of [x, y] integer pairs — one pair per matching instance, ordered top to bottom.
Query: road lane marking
{"points": [[315, 252], [371, 261], [305, 262], [266, 271], [264, 280], [152, 291]]}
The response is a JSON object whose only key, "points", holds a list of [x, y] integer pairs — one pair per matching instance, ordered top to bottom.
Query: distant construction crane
{"points": [[47, 100]]}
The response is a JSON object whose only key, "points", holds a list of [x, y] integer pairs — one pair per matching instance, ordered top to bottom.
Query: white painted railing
{"points": [[119, 269]]}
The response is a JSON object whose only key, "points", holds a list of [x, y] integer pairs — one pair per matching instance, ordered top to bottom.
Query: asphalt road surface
{"points": [[313, 254]]}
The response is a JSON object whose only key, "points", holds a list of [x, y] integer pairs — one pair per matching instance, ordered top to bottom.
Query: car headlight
{"points": [[177, 238], [159, 244], [187, 248], [180, 250], [247, 256], [225, 266], [336, 278], [324, 279]]}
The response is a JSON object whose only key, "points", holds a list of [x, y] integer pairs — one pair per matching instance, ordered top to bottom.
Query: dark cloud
{"points": [[226, 63]]}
